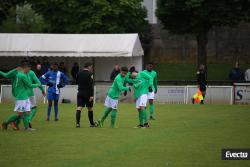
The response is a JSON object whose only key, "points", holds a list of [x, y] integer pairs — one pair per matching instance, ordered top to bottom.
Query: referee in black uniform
{"points": [[85, 94]]}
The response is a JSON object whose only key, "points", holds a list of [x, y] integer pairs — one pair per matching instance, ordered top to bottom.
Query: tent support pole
{"points": [[93, 62], [79, 63]]}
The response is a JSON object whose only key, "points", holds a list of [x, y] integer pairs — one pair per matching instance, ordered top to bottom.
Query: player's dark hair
{"points": [[25, 63], [55, 63], [150, 63], [88, 64], [124, 68], [132, 69]]}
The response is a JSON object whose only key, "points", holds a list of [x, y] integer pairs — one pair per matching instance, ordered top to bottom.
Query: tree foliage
{"points": [[5, 7], [92, 16], [197, 17], [22, 19]]}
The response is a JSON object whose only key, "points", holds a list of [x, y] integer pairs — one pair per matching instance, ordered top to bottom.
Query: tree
{"points": [[5, 7], [92, 16], [197, 17], [22, 19]]}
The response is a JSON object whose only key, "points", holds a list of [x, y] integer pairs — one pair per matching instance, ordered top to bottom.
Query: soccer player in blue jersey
{"points": [[55, 80]]}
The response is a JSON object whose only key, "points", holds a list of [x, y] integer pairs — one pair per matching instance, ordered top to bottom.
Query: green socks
{"points": [[151, 109], [32, 113], [144, 113], [105, 114], [140, 117], [11, 118], [113, 118], [26, 120], [18, 121]]}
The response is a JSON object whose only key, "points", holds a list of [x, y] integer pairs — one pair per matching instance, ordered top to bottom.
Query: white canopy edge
{"points": [[70, 45]]}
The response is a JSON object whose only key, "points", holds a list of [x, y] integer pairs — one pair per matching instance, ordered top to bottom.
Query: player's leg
{"points": [[203, 91], [56, 99], [50, 100], [80, 105], [89, 105], [113, 105], [141, 105], [151, 105], [19, 108], [33, 109], [49, 109], [56, 109], [106, 112], [140, 113], [78, 116], [104, 116], [26, 117], [91, 117], [145, 117], [113, 118], [11, 119], [26, 120], [17, 124]]}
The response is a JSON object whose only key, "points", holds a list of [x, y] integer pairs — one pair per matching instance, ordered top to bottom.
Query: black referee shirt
{"points": [[202, 77], [85, 83]]}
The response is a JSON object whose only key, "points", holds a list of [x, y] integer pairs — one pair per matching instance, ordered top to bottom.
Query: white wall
{"points": [[166, 94]]}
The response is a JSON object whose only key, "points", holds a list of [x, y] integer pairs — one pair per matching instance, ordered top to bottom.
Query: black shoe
{"points": [[192, 100], [202, 102], [151, 118], [56, 119], [77, 125], [95, 125], [146, 125], [4, 126], [139, 126]]}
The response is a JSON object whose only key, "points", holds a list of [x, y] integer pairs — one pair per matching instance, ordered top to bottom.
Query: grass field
{"points": [[182, 136]]}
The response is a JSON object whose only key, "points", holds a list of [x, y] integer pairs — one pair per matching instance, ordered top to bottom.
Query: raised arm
{"points": [[10, 74], [147, 77], [45, 79], [128, 79], [35, 80], [27, 82], [120, 85]]}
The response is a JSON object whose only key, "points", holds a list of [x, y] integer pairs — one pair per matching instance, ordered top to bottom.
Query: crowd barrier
{"points": [[237, 94]]}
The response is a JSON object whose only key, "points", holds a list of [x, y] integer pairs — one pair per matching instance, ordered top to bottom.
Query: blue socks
{"points": [[56, 110], [49, 111]]}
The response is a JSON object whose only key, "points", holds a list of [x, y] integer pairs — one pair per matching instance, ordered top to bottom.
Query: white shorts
{"points": [[151, 95], [32, 101], [142, 101], [111, 103], [22, 105]]}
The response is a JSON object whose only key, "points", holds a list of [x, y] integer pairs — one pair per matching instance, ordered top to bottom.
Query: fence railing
{"points": [[162, 82]]}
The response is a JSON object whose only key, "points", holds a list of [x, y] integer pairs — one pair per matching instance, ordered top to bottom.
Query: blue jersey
{"points": [[55, 80]]}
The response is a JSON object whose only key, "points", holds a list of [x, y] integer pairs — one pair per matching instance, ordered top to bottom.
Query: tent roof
{"points": [[70, 45]]}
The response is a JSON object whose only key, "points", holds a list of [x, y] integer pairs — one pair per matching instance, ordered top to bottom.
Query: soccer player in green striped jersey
{"points": [[33, 79], [21, 84], [142, 85], [151, 95], [111, 101]]}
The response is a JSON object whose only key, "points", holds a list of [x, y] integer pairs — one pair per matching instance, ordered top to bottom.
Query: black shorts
{"points": [[83, 101]]}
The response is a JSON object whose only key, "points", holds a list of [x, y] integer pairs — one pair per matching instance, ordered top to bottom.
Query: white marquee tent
{"points": [[105, 50]]}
